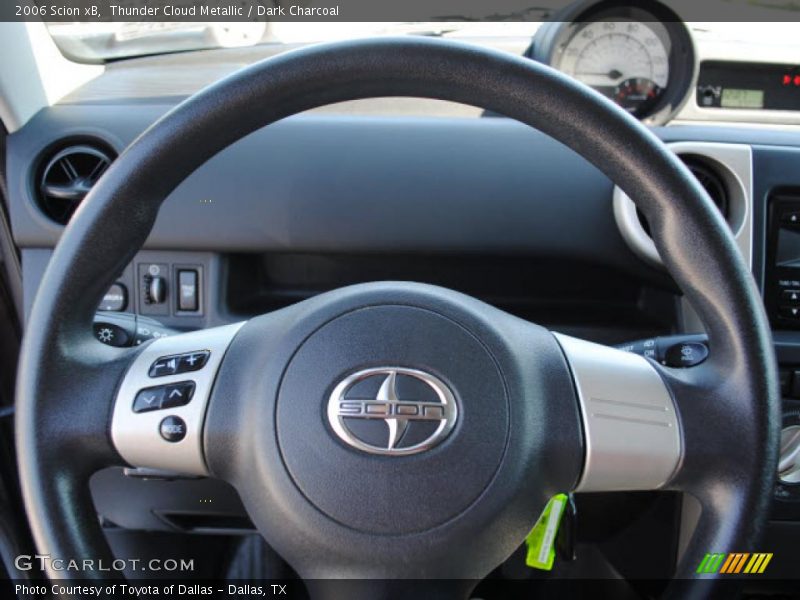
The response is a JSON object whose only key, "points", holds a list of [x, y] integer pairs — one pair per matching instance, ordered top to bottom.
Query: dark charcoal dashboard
{"points": [[481, 205]]}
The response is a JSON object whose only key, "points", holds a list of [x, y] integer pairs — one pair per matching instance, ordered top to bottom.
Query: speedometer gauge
{"points": [[605, 55], [639, 55]]}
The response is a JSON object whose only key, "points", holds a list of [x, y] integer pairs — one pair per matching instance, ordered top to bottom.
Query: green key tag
{"points": [[541, 539]]}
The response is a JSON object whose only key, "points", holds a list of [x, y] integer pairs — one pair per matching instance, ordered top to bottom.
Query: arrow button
{"points": [[791, 217], [790, 297], [790, 312], [177, 394], [148, 399]]}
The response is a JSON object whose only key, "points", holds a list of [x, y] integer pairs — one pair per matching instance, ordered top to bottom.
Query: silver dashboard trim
{"points": [[734, 163], [632, 432], [136, 435]]}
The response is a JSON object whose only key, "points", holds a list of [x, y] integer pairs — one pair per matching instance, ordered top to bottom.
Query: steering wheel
{"points": [[397, 430]]}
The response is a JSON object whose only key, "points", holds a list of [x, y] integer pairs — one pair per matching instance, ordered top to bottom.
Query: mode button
{"points": [[172, 429]]}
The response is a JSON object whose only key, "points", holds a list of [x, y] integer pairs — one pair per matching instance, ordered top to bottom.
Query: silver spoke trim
{"points": [[631, 430], [136, 436]]}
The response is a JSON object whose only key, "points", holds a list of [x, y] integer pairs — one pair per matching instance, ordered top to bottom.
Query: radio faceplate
{"points": [[782, 281]]}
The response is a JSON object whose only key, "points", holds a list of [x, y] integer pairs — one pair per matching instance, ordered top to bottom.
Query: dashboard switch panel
{"points": [[169, 288]]}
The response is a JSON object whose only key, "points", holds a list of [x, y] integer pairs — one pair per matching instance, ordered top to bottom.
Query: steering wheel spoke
{"points": [[648, 427], [632, 431]]}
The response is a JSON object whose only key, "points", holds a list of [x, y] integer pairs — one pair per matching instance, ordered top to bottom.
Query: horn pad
{"points": [[355, 374]]}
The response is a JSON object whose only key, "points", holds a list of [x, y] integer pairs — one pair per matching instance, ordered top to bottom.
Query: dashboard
{"points": [[417, 190]]}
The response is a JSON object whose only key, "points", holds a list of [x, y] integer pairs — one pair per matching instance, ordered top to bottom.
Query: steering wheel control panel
{"points": [[159, 426]]}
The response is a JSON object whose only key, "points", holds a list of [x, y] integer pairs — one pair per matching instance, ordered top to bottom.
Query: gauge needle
{"points": [[612, 74]]}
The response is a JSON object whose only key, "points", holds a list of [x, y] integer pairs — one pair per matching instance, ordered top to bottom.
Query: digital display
{"points": [[744, 85], [735, 98]]}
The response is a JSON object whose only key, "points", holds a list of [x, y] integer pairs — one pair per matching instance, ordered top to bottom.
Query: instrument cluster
{"points": [[641, 57]]}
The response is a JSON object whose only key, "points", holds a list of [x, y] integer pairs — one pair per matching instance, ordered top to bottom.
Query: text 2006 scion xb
{"points": [[378, 300]]}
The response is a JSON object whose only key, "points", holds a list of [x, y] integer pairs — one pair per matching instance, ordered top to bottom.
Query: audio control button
{"points": [[790, 297], [790, 312], [193, 361], [166, 365], [177, 394], [148, 399], [172, 429]]}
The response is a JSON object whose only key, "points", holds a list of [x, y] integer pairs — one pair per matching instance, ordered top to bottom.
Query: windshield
{"points": [[98, 42]]}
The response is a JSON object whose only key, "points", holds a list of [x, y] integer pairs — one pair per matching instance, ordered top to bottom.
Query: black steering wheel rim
{"points": [[112, 224]]}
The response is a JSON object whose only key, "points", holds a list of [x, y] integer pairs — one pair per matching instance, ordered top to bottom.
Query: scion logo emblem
{"points": [[392, 411]]}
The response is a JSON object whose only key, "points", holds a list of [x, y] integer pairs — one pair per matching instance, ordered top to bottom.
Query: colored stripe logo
{"points": [[734, 562]]}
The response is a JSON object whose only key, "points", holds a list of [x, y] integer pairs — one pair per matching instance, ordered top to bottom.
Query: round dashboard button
{"points": [[172, 429]]}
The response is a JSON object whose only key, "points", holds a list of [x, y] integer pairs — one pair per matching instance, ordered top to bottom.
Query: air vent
{"points": [[726, 173], [66, 177], [709, 178]]}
